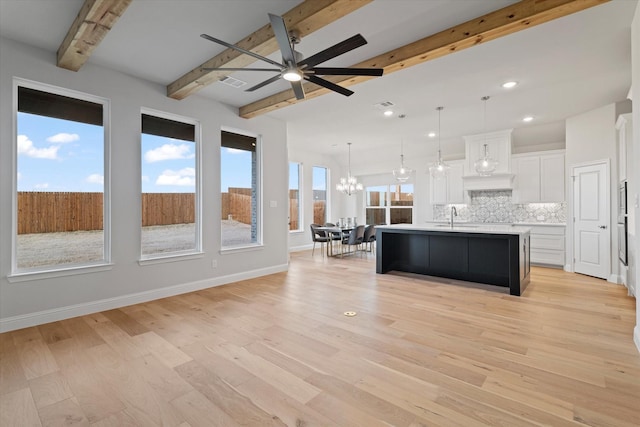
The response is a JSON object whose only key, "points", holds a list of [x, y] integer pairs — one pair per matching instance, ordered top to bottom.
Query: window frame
{"points": [[197, 136], [326, 195], [388, 206], [300, 228], [259, 243], [19, 274]]}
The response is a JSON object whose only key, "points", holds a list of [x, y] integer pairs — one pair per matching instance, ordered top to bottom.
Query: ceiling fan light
{"points": [[292, 75]]}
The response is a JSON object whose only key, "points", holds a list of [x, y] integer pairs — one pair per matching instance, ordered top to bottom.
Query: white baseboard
{"points": [[302, 248], [615, 278], [46, 316], [636, 337]]}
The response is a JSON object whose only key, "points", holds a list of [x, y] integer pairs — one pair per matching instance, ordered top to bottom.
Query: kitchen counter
{"points": [[462, 227], [492, 254]]}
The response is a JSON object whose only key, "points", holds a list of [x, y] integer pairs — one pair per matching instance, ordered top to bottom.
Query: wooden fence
{"points": [[168, 208], [50, 212]]}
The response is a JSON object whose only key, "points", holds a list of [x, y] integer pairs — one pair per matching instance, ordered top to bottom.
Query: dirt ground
{"points": [[43, 249]]}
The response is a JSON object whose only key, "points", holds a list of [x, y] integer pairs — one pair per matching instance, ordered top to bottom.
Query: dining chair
{"points": [[318, 236], [369, 237], [355, 238]]}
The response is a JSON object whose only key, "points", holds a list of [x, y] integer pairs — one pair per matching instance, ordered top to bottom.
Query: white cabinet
{"points": [[498, 145], [539, 177], [448, 189], [547, 244]]}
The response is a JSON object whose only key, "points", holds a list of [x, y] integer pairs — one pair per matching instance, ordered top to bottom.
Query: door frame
{"points": [[570, 238]]}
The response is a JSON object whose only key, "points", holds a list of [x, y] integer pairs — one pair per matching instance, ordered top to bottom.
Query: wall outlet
{"points": [[273, 203], [214, 263]]}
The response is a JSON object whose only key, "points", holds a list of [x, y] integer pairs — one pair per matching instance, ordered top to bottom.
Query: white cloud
{"points": [[62, 138], [25, 146], [235, 151], [168, 152], [19, 176], [183, 177], [95, 178], [145, 178], [42, 186]]}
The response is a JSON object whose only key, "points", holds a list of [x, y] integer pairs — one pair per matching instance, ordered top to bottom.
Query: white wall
{"points": [[591, 137], [635, 156], [34, 301]]}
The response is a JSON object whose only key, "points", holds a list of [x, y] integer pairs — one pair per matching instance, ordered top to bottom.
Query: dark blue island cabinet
{"points": [[495, 255]]}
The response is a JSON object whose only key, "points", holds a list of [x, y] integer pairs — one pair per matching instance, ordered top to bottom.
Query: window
{"points": [[319, 186], [239, 190], [170, 196], [376, 202], [389, 204], [401, 210], [295, 211], [61, 217]]}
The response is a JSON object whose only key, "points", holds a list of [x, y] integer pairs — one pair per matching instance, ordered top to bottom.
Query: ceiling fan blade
{"points": [[282, 36], [239, 49], [333, 51], [241, 69], [334, 71], [264, 83], [329, 85], [298, 89]]}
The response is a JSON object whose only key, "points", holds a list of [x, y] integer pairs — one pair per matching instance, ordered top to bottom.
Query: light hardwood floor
{"points": [[278, 351]]}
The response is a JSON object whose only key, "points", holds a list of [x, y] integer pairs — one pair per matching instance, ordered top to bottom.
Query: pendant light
{"points": [[485, 165], [439, 169], [403, 173], [350, 184]]}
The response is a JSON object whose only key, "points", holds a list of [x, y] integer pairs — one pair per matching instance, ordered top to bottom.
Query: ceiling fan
{"points": [[294, 70]]}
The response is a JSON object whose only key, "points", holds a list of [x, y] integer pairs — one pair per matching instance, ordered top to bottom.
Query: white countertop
{"points": [[461, 228]]}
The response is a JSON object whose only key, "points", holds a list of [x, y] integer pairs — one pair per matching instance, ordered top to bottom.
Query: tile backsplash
{"points": [[497, 207]]}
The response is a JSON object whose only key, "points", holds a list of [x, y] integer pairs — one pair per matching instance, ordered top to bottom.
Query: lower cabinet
{"points": [[547, 245]]}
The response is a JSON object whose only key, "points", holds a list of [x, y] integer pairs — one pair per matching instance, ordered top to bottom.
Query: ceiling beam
{"points": [[305, 18], [95, 19], [499, 23]]}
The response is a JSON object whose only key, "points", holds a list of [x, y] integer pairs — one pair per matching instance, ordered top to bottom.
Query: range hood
{"points": [[496, 181]]}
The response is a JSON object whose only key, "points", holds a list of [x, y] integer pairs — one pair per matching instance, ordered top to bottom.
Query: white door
{"points": [[591, 233]]}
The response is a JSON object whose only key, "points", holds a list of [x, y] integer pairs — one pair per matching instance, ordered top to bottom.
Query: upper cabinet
{"points": [[625, 137], [498, 146], [539, 177], [448, 189]]}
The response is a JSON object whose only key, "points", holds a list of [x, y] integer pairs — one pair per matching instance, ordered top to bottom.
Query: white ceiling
{"points": [[564, 67]]}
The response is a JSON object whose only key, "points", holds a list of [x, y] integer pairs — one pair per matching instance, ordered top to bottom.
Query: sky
{"points": [[63, 155]]}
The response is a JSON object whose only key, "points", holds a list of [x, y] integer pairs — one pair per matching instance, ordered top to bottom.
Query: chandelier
{"points": [[485, 165], [439, 169], [403, 173], [350, 184]]}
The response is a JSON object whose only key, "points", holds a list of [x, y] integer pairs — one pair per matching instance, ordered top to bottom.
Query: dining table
{"points": [[340, 232]]}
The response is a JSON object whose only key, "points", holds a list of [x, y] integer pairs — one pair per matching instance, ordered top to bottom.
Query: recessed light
{"points": [[509, 85], [388, 113], [527, 119], [431, 134]]}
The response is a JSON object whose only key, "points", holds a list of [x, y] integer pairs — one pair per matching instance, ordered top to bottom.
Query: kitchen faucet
{"points": [[453, 212]]}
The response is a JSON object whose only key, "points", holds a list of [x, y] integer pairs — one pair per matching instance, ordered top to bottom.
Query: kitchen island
{"points": [[496, 254]]}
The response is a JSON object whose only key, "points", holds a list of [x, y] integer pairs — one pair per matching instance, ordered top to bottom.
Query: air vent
{"points": [[230, 81], [384, 105]]}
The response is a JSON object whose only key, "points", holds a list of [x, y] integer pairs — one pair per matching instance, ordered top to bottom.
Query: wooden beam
{"points": [[307, 17], [95, 19], [499, 23]]}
